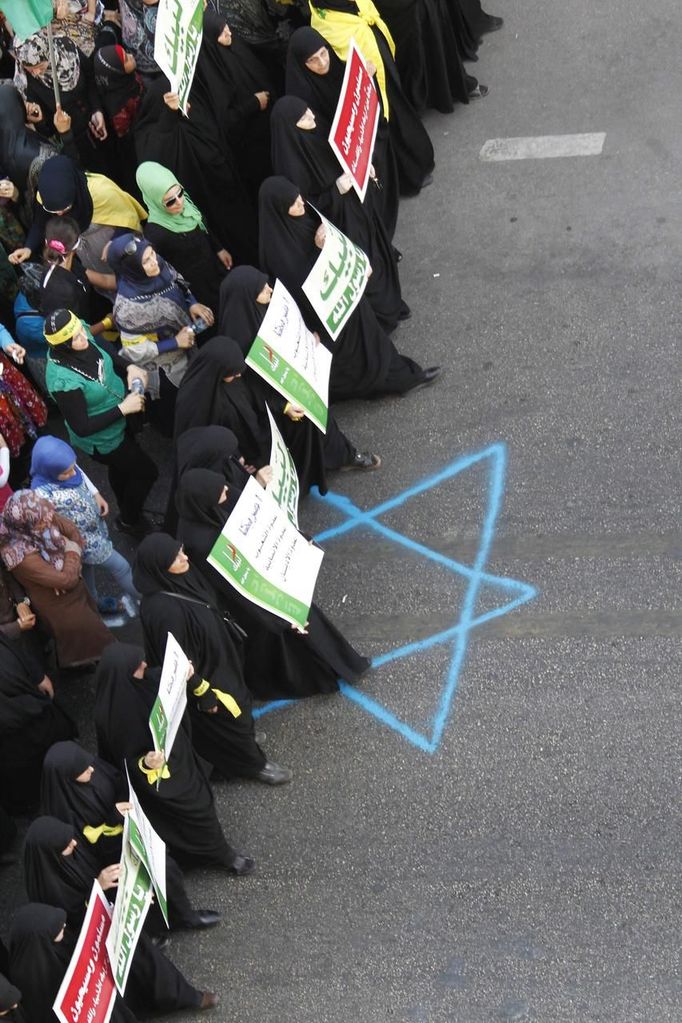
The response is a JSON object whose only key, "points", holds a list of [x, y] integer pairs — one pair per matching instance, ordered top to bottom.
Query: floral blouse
{"points": [[79, 505]]}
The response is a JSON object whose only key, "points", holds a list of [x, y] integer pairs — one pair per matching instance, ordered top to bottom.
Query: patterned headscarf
{"points": [[35, 50], [27, 527]]}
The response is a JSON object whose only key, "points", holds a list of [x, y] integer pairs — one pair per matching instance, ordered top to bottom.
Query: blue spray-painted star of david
{"points": [[457, 636]]}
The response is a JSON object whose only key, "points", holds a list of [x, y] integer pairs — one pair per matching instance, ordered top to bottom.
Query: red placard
{"points": [[355, 122], [87, 992]]}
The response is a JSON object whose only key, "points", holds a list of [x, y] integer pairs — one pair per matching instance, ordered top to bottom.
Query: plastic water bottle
{"points": [[129, 605]]}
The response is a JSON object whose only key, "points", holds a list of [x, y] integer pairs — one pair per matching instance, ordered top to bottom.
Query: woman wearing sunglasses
{"points": [[177, 230]]}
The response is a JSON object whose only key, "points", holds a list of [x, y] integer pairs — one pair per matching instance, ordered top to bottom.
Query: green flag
{"points": [[27, 16]]}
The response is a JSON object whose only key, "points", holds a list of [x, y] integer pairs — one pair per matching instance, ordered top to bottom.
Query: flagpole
{"points": [[53, 63]]}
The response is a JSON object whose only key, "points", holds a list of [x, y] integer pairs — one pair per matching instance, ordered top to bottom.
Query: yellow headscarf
{"points": [[338, 28], [112, 206]]}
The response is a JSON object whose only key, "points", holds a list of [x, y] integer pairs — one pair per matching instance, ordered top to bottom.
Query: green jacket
{"points": [[99, 397]]}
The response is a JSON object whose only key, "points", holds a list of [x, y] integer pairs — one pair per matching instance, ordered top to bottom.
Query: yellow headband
{"points": [[66, 332]]}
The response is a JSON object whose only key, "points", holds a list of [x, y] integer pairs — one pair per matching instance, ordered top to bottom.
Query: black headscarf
{"points": [[236, 69], [321, 92], [301, 155], [62, 183], [286, 244], [240, 315], [204, 398], [204, 447], [210, 447], [198, 497], [154, 556], [122, 704], [79, 803], [50, 877], [37, 962], [9, 997]]}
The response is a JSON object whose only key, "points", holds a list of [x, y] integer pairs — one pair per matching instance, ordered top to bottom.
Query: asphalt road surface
{"points": [[490, 831]]}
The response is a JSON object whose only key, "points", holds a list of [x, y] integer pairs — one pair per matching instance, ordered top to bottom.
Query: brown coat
{"points": [[63, 604]]}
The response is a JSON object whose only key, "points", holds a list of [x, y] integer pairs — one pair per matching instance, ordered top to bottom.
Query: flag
{"points": [[27, 16]]}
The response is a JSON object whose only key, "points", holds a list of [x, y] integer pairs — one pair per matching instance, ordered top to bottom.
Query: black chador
{"points": [[366, 363], [280, 661], [219, 701], [180, 807], [62, 878]]}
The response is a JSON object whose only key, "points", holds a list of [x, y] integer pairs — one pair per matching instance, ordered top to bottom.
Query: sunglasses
{"points": [[174, 198]]}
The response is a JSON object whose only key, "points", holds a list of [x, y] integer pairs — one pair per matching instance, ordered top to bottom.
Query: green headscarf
{"points": [[154, 180]]}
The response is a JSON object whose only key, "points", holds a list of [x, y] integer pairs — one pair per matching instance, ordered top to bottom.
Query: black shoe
{"points": [[493, 24], [428, 180], [405, 311], [431, 374], [427, 377], [362, 460], [137, 529], [260, 738], [273, 774], [242, 866], [203, 918], [160, 941], [208, 1000]]}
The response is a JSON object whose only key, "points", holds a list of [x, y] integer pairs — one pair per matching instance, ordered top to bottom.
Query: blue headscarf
{"points": [[124, 256], [50, 457]]}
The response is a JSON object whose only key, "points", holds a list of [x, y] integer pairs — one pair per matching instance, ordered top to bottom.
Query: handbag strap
{"points": [[200, 603]]}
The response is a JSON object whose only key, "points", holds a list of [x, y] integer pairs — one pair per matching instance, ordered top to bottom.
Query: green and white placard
{"points": [[177, 39], [338, 279], [291, 358], [284, 485], [265, 557], [171, 702], [150, 847], [133, 899]]}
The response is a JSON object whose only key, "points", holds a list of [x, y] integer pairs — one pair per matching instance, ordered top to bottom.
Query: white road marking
{"points": [[543, 147]]}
